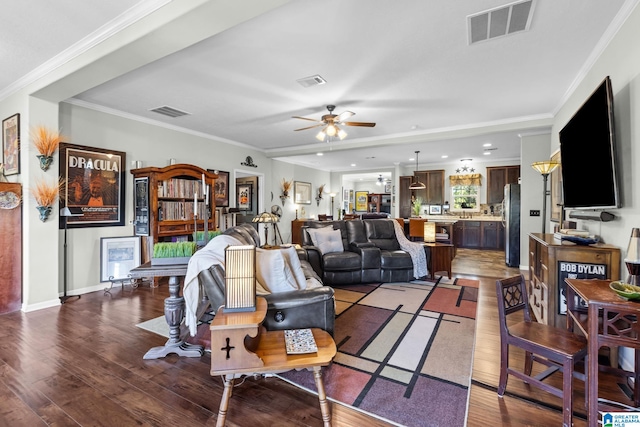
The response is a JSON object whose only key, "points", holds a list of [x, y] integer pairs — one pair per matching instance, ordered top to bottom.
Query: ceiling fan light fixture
{"points": [[331, 130], [342, 134], [320, 136]]}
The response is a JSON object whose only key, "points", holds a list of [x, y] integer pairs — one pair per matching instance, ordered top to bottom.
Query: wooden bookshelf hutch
{"points": [[164, 204]]}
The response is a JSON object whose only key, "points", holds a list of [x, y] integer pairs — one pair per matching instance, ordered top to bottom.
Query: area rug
{"points": [[405, 351]]}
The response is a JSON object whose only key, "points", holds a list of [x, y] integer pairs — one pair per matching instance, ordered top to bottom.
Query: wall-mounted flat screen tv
{"points": [[588, 154]]}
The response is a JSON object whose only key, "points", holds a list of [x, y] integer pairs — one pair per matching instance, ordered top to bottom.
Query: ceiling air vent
{"points": [[500, 21], [311, 81], [169, 111]]}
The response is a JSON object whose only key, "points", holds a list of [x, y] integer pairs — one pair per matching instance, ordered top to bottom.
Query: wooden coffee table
{"points": [[439, 256], [240, 345]]}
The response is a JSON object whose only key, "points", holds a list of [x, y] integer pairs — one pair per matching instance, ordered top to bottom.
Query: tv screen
{"points": [[587, 152]]}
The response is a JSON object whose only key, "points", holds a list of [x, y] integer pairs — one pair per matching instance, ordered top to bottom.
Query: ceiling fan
{"points": [[331, 121]]}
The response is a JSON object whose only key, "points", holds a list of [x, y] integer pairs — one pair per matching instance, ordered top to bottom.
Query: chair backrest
{"points": [[322, 217], [349, 217], [416, 227], [512, 297]]}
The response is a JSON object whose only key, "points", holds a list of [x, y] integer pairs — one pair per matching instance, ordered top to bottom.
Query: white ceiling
{"points": [[405, 65]]}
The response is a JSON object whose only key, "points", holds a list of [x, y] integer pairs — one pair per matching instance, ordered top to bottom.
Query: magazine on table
{"points": [[300, 341]]}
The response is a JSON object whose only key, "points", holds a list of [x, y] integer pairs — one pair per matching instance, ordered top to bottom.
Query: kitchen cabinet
{"points": [[497, 178], [433, 194], [471, 234], [478, 234], [492, 235], [551, 261]]}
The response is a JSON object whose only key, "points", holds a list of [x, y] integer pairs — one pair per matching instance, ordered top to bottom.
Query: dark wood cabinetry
{"points": [[497, 178], [433, 194], [404, 197], [170, 210], [478, 234], [11, 248], [551, 261]]}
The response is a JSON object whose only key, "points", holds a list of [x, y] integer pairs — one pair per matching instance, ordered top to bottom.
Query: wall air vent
{"points": [[501, 21], [311, 81], [170, 111]]}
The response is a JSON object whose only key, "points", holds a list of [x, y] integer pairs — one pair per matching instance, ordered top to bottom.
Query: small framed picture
{"points": [[11, 145], [302, 192], [244, 197], [435, 209], [118, 256]]}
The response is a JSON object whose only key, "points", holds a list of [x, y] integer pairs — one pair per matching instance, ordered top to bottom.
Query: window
{"points": [[465, 192], [465, 197]]}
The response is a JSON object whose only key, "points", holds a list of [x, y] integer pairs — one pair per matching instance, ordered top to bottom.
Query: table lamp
{"points": [[266, 218], [430, 232], [632, 260], [240, 278]]}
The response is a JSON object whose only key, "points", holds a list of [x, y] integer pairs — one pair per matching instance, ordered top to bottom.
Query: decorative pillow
{"points": [[326, 239], [291, 257], [273, 272]]}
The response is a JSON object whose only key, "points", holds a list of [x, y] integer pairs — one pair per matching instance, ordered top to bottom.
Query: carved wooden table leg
{"points": [[174, 313], [322, 396], [224, 403]]}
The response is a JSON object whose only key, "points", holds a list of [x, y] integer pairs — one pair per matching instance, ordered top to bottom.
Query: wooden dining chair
{"points": [[416, 228], [556, 348]]}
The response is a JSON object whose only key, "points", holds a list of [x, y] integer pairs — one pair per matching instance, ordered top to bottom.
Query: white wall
{"points": [[621, 61]]}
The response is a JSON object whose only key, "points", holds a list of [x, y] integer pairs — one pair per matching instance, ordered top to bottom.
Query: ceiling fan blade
{"points": [[344, 116], [304, 118], [364, 124], [310, 127]]}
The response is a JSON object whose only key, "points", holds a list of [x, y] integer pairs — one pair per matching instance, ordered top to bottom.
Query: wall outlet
{"points": [[534, 212]]}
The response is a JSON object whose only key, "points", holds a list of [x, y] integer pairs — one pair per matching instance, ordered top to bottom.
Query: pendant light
{"points": [[417, 185]]}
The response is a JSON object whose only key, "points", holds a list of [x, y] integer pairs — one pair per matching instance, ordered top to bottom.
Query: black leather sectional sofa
{"points": [[371, 253]]}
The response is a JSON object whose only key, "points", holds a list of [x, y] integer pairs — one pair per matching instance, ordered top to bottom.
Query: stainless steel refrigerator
{"points": [[511, 221]]}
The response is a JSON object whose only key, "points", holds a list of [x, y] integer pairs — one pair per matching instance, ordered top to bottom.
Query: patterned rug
{"points": [[404, 351]]}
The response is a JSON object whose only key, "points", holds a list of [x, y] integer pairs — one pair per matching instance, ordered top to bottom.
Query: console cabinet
{"points": [[379, 202], [166, 213], [551, 261]]}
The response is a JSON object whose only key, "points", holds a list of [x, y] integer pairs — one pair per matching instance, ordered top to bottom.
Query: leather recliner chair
{"points": [[308, 308]]}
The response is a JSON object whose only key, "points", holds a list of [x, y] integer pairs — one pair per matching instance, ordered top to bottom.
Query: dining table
{"points": [[609, 320]]}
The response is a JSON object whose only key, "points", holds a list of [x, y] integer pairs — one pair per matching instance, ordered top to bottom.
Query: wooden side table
{"points": [[439, 256], [173, 310], [240, 345]]}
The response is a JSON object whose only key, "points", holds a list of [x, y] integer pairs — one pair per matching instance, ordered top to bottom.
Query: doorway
{"points": [[249, 195]]}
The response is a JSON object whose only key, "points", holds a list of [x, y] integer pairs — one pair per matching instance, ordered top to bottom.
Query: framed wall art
{"points": [[11, 145], [94, 181], [221, 189], [556, 190], [302, 192], [244, 197], [361, 201], [435, 209], [118, 255]]}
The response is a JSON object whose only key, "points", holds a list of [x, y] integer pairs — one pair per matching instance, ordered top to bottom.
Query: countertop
{"points": [[456, 218]]}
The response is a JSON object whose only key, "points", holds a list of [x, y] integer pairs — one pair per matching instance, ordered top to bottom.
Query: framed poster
{"points": [[11, 145], [94, 181], [221, 189], [556, 190], [302, 192], [345, 196], [244, 197], [361, 201], [435, 209], [118, 255], [576, 270]]}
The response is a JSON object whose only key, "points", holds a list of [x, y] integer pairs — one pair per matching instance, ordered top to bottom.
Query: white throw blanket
{"points": [[415, 249], [204, 258]]}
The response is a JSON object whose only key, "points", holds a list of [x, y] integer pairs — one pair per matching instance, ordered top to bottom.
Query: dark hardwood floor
{"points": [[81, 364]]}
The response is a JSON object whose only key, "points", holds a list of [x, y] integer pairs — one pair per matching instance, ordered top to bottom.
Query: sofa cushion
{"points": [[382, 233], [326, 239], [392, 260], [342, 261], [274, 272]]}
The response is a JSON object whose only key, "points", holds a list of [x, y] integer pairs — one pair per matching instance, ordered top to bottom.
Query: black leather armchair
{"points": [[309, 308]]}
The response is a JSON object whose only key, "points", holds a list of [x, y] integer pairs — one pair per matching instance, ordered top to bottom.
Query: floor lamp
{"points": [[545, 168], [65, 213], [267, 218]]}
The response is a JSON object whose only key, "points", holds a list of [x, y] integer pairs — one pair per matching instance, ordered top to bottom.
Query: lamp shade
{"points": [[546, 167], [417, 185], [67, 211], [266, 217], [430, 232], [633, 251], [240, 278]]}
